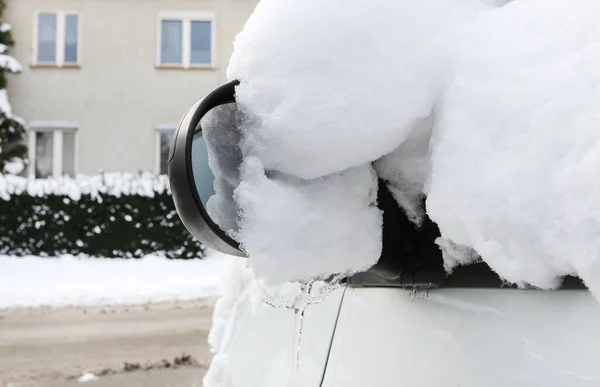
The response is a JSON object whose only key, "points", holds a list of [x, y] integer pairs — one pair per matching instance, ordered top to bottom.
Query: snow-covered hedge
{"points": [[111, 184], [110, 215]]}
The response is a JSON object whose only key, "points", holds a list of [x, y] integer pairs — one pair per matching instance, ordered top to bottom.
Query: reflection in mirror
{"points": [[216, 163], [203, 176]]}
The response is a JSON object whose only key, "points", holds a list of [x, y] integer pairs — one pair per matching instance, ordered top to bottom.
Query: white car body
{"points": [[390, 337]]}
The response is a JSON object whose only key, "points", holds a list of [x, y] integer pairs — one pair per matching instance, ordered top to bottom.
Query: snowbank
{"points": [[489, 109], [72, 281]]}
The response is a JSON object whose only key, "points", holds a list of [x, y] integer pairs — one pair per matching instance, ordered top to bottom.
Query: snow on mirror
{"points": [[216, 158], [232, 203]]}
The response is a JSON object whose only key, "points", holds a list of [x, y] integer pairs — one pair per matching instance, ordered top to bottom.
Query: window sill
{"points": [[55, 66], [181, 67]]}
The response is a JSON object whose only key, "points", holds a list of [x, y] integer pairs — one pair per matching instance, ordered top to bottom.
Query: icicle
{"points": [[309, 293], [299, 312]]}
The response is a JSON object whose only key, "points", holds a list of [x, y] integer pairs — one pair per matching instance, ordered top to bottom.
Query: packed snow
{"points": [[487, 108], [516, 144], [307, 197], [306, 200], [338, 206], [335, 216], [82, 281]]}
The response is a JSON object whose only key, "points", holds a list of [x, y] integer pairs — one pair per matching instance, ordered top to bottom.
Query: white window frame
{"points": [[186, 19], [60, 39], [57, 129], [158, 130]]}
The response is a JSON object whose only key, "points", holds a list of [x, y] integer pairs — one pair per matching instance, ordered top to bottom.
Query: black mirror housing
{"points": [[181, 177]]}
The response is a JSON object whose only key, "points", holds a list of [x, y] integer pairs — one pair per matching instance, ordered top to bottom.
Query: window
{"points": [[57, 39], [186, 40], [164, 135], [52, 149]]}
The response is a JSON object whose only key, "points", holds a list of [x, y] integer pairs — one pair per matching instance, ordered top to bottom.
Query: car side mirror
{"points": [[190, 175], [409, 257]]}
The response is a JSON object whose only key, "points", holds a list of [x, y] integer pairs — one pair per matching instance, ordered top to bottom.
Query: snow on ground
{"points": [[72, 281], [87, 377]]}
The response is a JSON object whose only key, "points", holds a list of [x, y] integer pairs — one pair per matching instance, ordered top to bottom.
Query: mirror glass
{"points": [[216, 158], [203, 176]]}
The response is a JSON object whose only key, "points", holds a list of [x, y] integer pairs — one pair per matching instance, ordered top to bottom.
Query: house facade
{"points": [[105, 82]]}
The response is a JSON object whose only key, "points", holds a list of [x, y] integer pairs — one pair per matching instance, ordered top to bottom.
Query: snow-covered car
{"points": [[403, 322]]}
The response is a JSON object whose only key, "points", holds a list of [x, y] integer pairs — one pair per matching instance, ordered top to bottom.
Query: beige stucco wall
{"points": [[117, 96]]}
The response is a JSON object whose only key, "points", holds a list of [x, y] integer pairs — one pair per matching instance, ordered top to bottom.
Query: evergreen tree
{"points": [[13, 151]]}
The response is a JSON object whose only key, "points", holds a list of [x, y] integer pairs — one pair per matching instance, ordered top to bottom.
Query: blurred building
{"points": [[105, 82]]}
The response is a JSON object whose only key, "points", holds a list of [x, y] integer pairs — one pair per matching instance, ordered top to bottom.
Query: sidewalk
{"points": [[54, 347]]}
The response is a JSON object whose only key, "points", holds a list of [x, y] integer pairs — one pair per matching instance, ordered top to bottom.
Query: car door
{"points": [[467, 337]]}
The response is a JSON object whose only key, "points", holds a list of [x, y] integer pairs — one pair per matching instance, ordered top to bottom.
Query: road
{"points": [[54, 347]]}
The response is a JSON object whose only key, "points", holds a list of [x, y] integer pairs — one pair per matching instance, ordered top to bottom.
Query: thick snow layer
{"points": [[337, 84], [488, 108], [315, 116], [516, 149], [113, 184], [294, 229], [73, 281]]}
